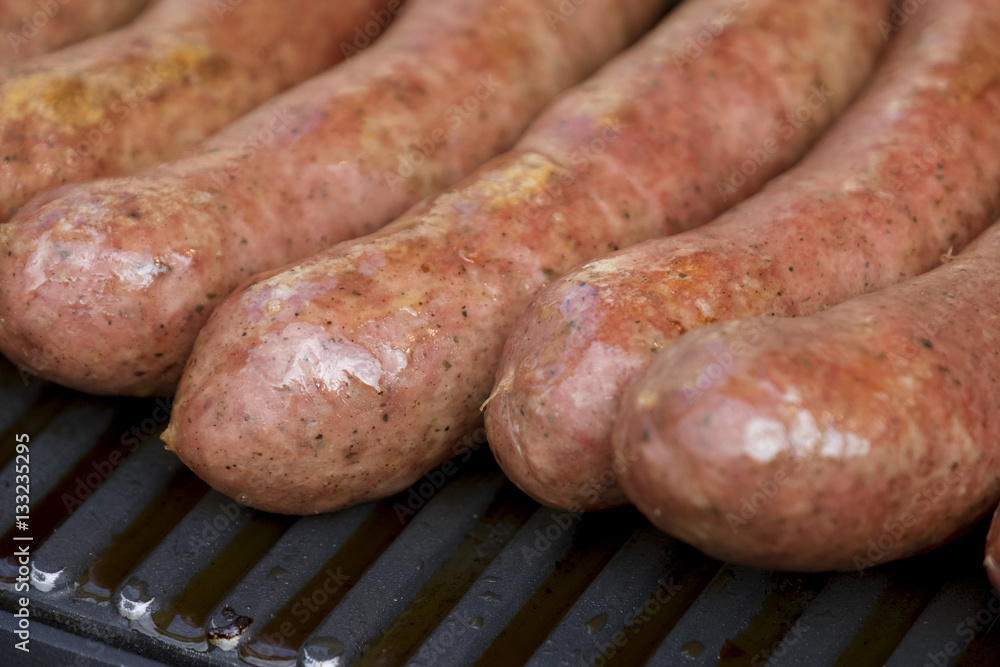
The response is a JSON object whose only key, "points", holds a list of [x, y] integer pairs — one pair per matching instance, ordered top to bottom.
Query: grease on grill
{"points": [[51, 401], [61, 501], [499, 523], [600, 535], [108, 570], [692, 573], [914, 584], [183, 618], [597, 623], [769, 627], [876, 632], [228, 636], [280, 639], [692, 649], [323, 651]]}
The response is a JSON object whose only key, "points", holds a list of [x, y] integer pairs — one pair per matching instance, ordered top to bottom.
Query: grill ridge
{"points": [[134, 556]]}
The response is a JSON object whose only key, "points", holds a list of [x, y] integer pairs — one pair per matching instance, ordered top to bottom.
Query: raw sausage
{"points": [[32, 27], [151, 90], [910, 170], [134, 266], [347, 376], [839, 441], [992, 561]]}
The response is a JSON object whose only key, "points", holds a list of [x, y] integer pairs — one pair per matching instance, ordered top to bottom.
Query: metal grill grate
{"points": [[134, 556]]}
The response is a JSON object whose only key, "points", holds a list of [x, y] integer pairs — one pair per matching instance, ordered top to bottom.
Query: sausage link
{"points": [[29, 28], [153, 89], [910, 170], [133, 266], [347, 376], [838, 441], [992, 560]]}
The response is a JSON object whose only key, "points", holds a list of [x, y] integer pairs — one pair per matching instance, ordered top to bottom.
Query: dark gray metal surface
{"points": [[136, 562]]}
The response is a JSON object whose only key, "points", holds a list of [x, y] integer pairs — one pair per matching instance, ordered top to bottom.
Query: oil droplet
{"points": [[274, 306], [276, 573], [721, 581], [490, 596], [476, 622], [597, 623], [692, 649], [323, 650]]}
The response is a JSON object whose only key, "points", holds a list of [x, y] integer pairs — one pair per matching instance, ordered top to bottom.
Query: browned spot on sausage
{"points": [[192, 60], [57, 99]]}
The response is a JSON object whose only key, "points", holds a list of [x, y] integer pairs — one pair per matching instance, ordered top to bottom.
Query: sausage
{"points": [[30, 28], [153, 89], [339, 156], [910, 170], [347, 376], [838, 441], [992, 560]]}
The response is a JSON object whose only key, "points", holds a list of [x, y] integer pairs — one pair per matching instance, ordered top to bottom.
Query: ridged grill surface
{"points": [[134, 556]]}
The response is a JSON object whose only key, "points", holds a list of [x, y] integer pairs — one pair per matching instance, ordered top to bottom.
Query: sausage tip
{"points": [[169, 437]]}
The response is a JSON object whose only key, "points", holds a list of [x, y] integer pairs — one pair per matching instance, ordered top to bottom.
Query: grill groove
{"points": [[473, 573]]}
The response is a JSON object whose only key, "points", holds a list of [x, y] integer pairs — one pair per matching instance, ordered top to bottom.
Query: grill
{"points": [[136, 562]]}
